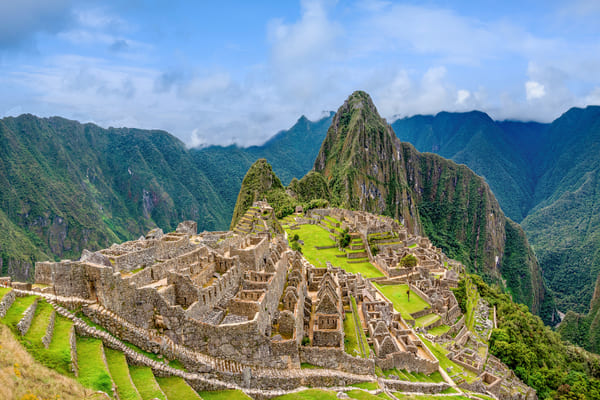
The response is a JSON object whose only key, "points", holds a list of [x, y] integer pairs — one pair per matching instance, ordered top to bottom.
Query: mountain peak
{"points": [[356, 128], [259, 180]]}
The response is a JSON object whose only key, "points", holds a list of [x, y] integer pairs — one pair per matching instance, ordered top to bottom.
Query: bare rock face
{"points": [[187, 227], [94, 258]]}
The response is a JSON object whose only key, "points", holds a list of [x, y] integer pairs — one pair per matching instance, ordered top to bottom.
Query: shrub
{"points": [[408, 261]]}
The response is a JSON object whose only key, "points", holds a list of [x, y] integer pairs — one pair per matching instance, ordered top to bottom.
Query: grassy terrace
{"points": [[314, 235], [3, 291], [472, 299], [405, 306], [15, 312], [426, 320], [40, 321], [439, 330], [355, 340], [351, 345], [440, 353], [117, 365], [92, 371], [412, 376], [146, 384], [176, 388], [317, 394], [224, 395], [401, 396]]}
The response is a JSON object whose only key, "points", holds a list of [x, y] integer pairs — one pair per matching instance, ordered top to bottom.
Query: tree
{"points": [[408, 261]]}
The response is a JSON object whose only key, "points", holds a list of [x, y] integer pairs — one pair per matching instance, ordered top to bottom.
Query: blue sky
{"points": [[239, 71]]}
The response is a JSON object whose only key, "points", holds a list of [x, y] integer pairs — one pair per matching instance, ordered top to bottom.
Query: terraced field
{"points": [[314, 236]]}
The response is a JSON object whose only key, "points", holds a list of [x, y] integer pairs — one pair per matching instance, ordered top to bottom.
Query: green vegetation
{"points": [[542, 176], [315, 235], [409, 260], [3, 291], [397, 294], [467, 296], [15, 312], [426, 320], [40, 321], [439, 330], [355, 341], [351, 345], [441, 354], [58, 355], [538, 356], [117, 365], [309, 366], [92, 371], [146, 384], [367, 385], [175, 387], [311, 394], [224, 395], [362, 395], [401, 396]]}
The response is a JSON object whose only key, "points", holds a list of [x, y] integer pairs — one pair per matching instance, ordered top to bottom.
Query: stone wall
{"points": [[254, 254], [421, 294], [6, 302], [25, 322], [49, 330], [73, 344], [335, 358], [407, 361], [416, 387]]}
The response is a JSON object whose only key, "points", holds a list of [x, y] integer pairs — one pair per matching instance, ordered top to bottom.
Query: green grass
{"points": [[315, 235], [3, 291], [397, 295], [472, 299], [15, 312], [426, 320], [39, 324], [439, 330], [361, 333], [351, 345], [59, 351], [440, 353], [58, 355], [117, 365], [309, 366], [92, 371], [146, 384], [367, 385], [176, 388], [449, 390], [311, 394], [225, 395], [362, 395], [401, 396]]}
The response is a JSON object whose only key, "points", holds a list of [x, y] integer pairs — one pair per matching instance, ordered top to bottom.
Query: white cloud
{"points": [[534, 90], [462, 96]]}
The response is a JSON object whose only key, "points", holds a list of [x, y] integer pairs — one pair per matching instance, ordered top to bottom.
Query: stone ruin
{"points": [[230, 304]]}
